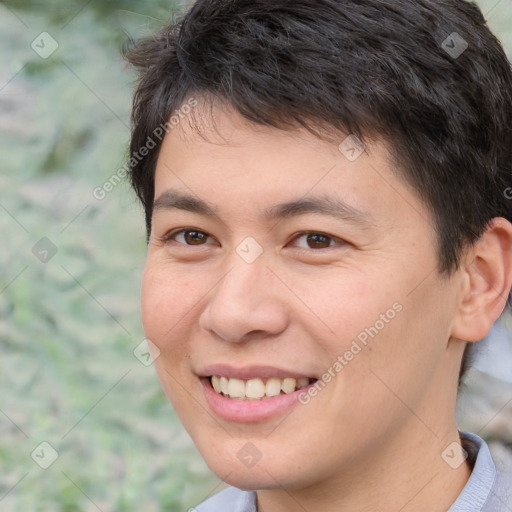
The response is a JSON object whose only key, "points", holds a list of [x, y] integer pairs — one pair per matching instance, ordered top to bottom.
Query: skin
{"points": [[372, 439]]}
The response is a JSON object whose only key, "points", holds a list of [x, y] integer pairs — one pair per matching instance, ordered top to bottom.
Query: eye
{"points": [[190, 236], [312, 239], [316, 240]]}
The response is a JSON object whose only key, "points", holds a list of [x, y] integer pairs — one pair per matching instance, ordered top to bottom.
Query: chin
{"points": [[227, 462], [247, 479]]}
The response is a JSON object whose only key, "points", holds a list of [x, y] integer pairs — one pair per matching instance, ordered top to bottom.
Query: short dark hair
{"points": [[426, 76]]}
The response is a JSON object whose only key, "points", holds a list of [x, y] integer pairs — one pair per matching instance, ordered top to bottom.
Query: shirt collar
{"points": [[479, 486]]}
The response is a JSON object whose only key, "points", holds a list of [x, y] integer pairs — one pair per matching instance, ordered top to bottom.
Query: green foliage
{"points": [[62, 11], [68, 327]]}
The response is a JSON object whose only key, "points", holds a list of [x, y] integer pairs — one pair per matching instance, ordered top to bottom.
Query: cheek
{"points": [[166, 298], [154, 304], [348, 307], [164, 308], [371, 329], [400, 363]]}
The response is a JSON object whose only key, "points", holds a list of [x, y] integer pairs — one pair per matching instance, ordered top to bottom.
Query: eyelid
{"points": [[173, 233], [321, 233], [168, 237]]}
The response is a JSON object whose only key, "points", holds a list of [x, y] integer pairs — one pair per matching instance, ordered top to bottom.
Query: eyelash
{"points": [[171, 235]]}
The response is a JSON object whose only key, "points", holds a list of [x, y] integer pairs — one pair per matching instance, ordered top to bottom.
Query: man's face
{"points": [[254, 296]]}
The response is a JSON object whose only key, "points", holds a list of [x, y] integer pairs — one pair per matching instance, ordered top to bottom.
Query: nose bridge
{"points": [[242, 283], [243, 301]]}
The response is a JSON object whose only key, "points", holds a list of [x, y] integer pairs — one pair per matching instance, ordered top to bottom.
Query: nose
{"points": [[247, 303]]}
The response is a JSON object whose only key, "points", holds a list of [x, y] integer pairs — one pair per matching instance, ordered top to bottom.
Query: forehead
{"points": [[210, 162]]}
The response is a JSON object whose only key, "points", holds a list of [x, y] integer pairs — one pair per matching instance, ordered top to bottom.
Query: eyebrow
{"points": [[323, 204]]}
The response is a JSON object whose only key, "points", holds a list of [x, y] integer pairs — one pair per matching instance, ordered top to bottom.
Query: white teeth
{"points": [[216, 383], [224, 385], [288, 385], [273, 387], [236, 388], [256, 389]]}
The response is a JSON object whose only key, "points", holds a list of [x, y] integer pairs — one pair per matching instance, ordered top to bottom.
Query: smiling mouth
{"points": [[257, 389]]}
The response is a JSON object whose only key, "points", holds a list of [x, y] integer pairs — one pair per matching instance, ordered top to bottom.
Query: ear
{"points": [[486, 282]]}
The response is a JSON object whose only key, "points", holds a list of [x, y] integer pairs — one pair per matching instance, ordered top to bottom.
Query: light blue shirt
{"points": [[488, 489]]}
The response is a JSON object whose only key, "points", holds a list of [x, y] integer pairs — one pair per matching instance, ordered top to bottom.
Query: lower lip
{"points": [[245, 411]]}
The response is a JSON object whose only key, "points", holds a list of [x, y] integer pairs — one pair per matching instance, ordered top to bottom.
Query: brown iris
{"points": [[194, 237], [319, 241]]}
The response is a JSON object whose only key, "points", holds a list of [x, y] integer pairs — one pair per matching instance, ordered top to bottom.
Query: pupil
{"points": [[193, 237], [317, 240]]}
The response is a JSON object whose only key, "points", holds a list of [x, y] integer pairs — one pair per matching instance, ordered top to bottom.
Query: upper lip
{"points": [[250, 372]]}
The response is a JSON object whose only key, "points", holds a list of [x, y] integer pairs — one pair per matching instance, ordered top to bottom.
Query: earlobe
{"points": [[486, 282]]}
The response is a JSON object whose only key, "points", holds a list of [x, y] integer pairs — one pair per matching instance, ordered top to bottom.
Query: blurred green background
{"points": [[70, 267]]}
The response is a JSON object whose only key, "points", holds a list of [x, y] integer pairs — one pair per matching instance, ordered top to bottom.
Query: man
{"points": [[324, 184]]}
